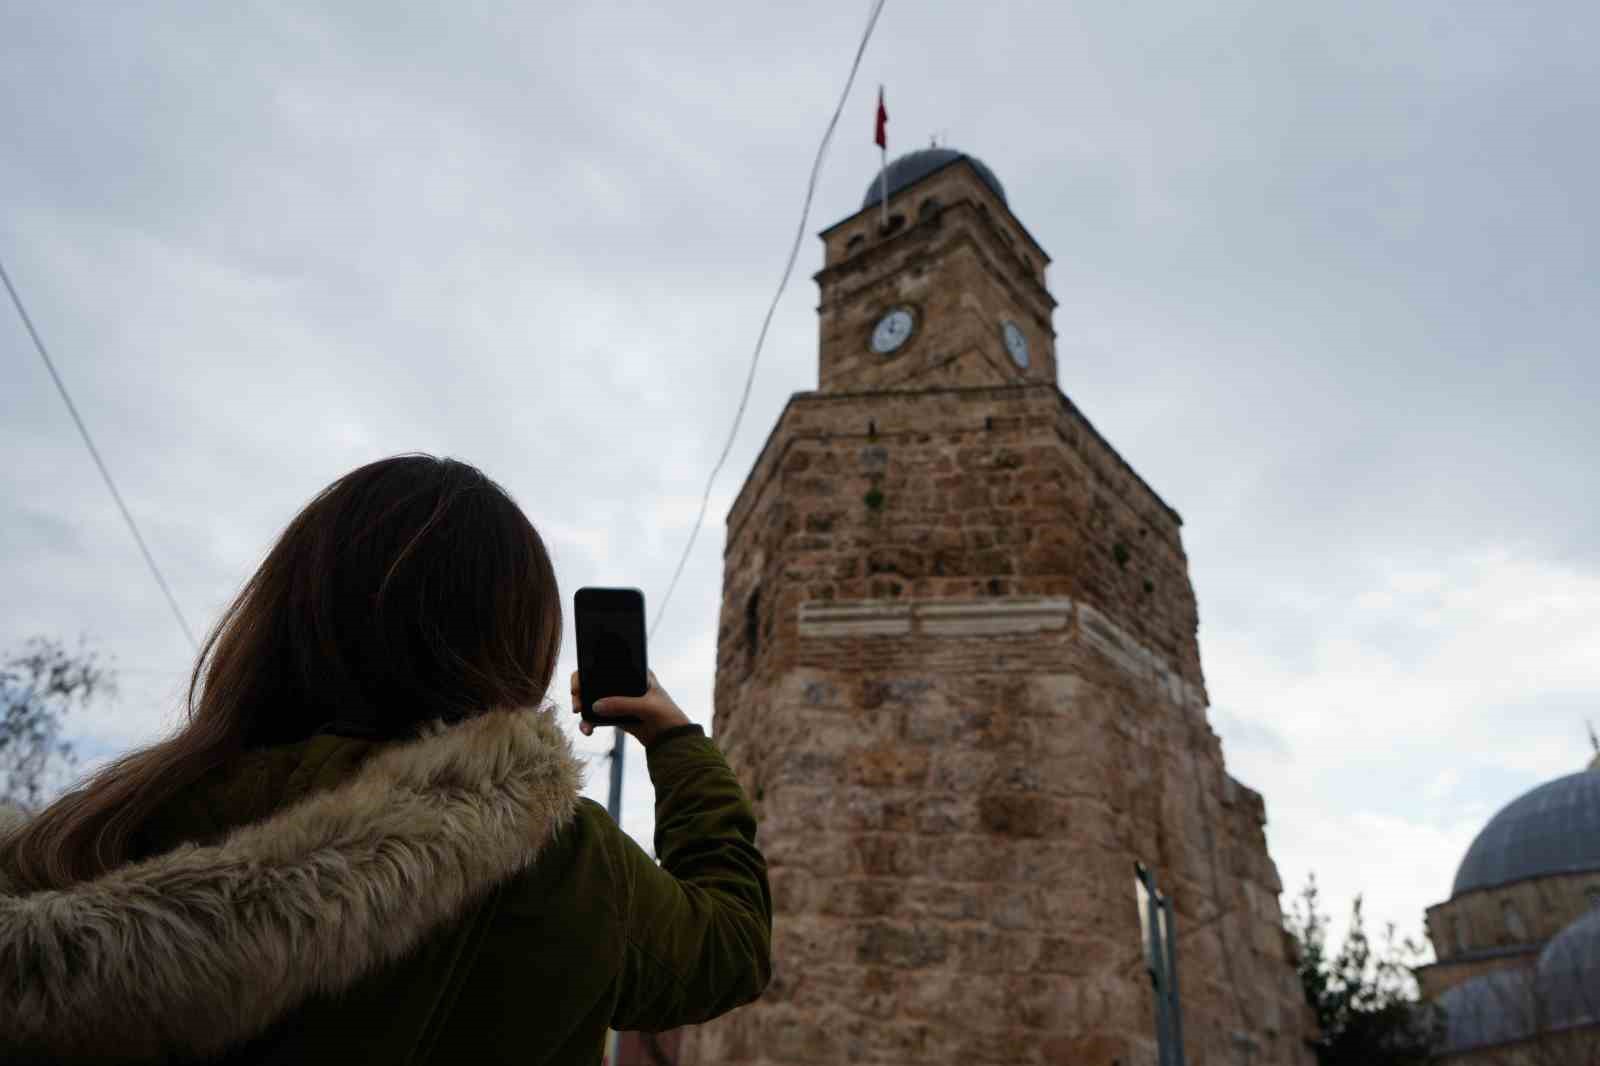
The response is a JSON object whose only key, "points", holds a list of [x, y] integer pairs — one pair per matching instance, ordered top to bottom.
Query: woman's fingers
{"points": [[577, 706], [617, 706], [653, 710]]}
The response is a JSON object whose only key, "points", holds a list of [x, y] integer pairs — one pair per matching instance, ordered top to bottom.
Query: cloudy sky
{"points": [[1327, 278]]}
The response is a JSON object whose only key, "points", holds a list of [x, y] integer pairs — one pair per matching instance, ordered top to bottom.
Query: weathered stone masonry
{"points": [[958, 672]]}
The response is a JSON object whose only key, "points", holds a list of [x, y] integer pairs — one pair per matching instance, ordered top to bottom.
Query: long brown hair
{"points": [[410, 590]]}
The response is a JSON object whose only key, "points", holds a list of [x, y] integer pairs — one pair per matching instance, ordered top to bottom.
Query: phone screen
{"points": [[611, 646]]}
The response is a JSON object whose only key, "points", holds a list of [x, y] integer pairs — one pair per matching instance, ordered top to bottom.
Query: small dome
{"points": [[914, 166], [1554, 829], [1569, 973], [1492, 1008]]}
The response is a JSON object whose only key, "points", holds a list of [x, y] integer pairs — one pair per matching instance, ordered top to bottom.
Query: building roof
{"points": [[914, 166], [1554, 829], [1568, 977], [1504, 1006], [1492, 1008]]}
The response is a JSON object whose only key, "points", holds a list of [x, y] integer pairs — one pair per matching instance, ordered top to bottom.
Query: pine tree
{"points": [[1365, 1001]]}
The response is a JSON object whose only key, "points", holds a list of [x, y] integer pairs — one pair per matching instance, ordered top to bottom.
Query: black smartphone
{"points": [[611, 653]]}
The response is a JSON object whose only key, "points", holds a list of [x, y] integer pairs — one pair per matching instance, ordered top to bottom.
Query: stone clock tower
{"points": [[958, 673]]}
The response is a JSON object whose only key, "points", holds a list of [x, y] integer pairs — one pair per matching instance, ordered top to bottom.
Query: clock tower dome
{"points": [[958, 673]]}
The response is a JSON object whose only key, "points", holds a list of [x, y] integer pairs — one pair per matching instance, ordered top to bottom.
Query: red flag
{"points": [[879, 135]]}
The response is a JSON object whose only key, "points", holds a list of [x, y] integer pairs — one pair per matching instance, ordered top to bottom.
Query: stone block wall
{"points": [[949, 493], [958, 674], [1529, 911], [1493, 928]]}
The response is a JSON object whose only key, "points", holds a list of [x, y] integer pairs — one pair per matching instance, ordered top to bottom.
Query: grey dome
{"points": [[914, 166], [1554, 829], [1569, 974], [1492, 1008]]}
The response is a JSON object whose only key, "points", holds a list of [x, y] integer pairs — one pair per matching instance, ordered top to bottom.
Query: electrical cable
{"points": [[794, 251], [744, 399], [72, 408]]}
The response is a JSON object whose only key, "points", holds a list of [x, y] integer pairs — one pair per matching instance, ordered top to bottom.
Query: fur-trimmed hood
{"points": [[206, 946]]}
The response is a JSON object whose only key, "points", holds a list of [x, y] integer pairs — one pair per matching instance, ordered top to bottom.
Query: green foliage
{"points": [[873, 499], [1120, 553], [38, 685], [1365, 1001]]}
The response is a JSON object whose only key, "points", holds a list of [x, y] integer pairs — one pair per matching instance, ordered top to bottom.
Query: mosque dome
{"points": [[914, 166], [1554, 829], [1569, 974], [1492, 1008]]}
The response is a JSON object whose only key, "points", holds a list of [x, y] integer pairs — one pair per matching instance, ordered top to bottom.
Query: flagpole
{"points": [[880, 134], [883, 174]]}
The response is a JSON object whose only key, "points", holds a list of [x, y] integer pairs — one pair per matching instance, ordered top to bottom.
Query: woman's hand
{"points": [[655, 710]]}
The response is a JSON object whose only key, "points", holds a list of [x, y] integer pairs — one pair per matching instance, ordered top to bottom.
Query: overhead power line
{"points": [[755, 358], [72, 409]]}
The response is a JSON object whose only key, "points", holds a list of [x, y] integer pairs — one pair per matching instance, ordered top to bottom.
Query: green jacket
{"points": [[447, 900]]}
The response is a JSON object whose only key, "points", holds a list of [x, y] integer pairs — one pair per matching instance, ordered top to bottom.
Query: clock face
{"points": [[892, 330], [1016, 343]]}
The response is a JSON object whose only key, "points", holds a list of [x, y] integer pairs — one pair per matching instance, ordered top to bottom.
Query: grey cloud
{"points": [[1326, 280]]}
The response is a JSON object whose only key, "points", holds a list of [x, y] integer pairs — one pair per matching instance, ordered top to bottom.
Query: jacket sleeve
{"points": [[698, 928]]}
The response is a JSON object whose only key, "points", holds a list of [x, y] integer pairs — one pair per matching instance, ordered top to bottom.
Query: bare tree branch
{"points": [[38, 686]]}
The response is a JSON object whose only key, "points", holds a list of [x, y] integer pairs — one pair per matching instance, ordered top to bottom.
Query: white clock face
{"points": [[892, 330], [1016, 343]]}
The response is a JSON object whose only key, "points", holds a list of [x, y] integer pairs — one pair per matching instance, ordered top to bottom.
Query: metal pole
{"points": [[614, 802], [614, 805], [1156, 963], [1175, 1011]]}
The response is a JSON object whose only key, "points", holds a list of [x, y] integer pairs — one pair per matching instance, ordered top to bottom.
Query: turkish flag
{"points": [[879, 135]]}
